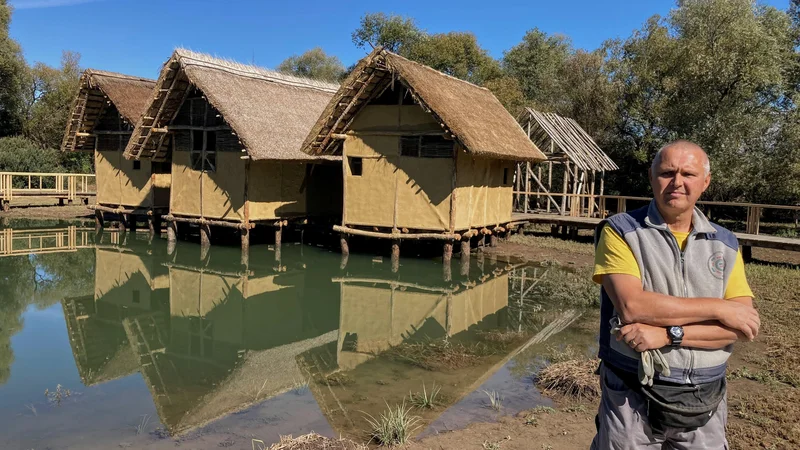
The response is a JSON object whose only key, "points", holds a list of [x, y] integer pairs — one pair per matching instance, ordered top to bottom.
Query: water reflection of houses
{"points": [[128, 283], [381, 313], [230, 339]]}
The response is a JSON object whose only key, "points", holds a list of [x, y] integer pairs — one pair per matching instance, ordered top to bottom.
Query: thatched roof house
{"points": [[101, 91], [104, 111], [222, 124], [423, 150]]}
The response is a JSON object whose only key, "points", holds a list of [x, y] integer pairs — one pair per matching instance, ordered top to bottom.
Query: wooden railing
{"points": [[67, 186], [584, 205], [36, 241]]}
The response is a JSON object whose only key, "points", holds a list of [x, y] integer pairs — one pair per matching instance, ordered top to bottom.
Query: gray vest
{"points": [[701, 270]]}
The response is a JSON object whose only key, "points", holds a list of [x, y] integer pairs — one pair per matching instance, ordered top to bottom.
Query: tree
{"points": [[392, 32], [457, 54], [314, 63], [536, 63], [713, 71], [12, 76], [49, 97], [18, 154]]}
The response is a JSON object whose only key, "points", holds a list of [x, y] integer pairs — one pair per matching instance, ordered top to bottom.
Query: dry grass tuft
{"points": [[573, 378], [311, 441]]}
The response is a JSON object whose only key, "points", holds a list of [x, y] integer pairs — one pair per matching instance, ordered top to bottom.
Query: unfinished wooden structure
{"points": [[104, 112], [232, 133], [564, 143], [426, 155]]}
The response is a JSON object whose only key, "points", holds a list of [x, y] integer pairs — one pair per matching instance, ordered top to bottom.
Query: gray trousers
{"points": [[622, 422]]}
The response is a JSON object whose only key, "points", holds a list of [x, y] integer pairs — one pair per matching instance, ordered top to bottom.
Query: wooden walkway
{"points": [[63, 186], [745, 239], [53, 240]]}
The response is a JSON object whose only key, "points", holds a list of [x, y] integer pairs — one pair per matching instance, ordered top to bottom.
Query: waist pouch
{"points": [[672, 405]]}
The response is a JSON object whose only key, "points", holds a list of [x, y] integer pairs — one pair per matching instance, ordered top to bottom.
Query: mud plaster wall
{"points": [[118, 184], [422, 186], [276, 189], [482, 198], [118, 275]]}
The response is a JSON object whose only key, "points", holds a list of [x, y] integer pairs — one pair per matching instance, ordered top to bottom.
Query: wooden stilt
{"points": [[6, 205], [98, 221], [121, 225], [172, 232], [245, 234], [278, 235], [205, 236], [493, 240], [345, 245], [465, 248], [448, 252], [395, 255], [447, 256], [465, 262], [343, 263]]}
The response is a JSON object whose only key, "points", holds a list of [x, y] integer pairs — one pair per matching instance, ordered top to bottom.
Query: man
{"points": [[674, 283]]}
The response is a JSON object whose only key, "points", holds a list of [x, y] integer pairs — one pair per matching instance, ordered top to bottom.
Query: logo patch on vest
{"points": [[716, 265]]}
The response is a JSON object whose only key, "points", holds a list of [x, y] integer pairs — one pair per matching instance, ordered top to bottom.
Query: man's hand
{"points": [[742, 317], [641, 337]]}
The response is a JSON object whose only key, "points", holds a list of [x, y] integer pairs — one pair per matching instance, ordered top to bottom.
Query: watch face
{"points": [[676, 332]]}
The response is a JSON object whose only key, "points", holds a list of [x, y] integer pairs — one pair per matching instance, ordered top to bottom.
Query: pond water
{"points": [[110, 342]]}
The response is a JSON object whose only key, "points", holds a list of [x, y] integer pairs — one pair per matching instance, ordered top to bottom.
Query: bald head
{"points": [[694, 151], [680, 173]]}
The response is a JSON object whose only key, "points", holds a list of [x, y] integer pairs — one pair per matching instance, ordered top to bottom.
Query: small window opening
{"points": [[409, 146], [426, 147], [435, 147], [137, 165], [356, 166], [505, 175], [136, 296]]}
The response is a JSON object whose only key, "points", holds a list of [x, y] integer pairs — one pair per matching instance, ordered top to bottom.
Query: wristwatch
{"points": [[675, 335]]}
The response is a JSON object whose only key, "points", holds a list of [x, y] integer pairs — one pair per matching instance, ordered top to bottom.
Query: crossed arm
{"points": [[708, 323]]}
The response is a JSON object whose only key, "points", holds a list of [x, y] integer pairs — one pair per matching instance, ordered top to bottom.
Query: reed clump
{"points": [[574, 378], [394, 426]]}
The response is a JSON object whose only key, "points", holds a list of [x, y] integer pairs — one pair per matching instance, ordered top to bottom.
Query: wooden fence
{"points": [[64, 186], [583, 205]]}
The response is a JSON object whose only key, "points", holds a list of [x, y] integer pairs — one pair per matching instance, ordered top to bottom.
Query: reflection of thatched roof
{"points": [[128, 94], [270, 112], [471, 114], [567, 137]]}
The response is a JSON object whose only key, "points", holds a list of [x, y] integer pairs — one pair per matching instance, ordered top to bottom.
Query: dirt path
{"points": [[45, 209]]}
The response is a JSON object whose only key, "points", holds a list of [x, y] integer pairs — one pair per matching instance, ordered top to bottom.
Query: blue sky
{"points": [[137, 36]]}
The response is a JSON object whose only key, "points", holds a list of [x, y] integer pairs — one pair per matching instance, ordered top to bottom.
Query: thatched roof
{"points": [[99, 89], [270, 112], [471, 114], [568, 138]]}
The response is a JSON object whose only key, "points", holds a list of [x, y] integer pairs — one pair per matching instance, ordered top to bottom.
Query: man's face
{"points": [[679, 179]]}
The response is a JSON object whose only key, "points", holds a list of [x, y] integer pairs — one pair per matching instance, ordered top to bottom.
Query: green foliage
{"points": [[392, 32], [457, 54], [537, 62], [314, 63], [12, 76], [49, 100], [18, 154], [424, 400], [394, 426]]}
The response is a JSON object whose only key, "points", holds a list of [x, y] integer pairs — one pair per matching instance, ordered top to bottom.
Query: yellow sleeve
{"points": [[613, 255], [737, 283]]}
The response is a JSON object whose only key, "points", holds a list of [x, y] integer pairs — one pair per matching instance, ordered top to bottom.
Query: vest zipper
{"points": [[682, 255]]}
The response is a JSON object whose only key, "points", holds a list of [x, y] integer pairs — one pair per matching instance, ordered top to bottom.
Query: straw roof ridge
{"points": [[188, 57], [434, 71], [129, 95], [269, 112], [470, 113]]}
